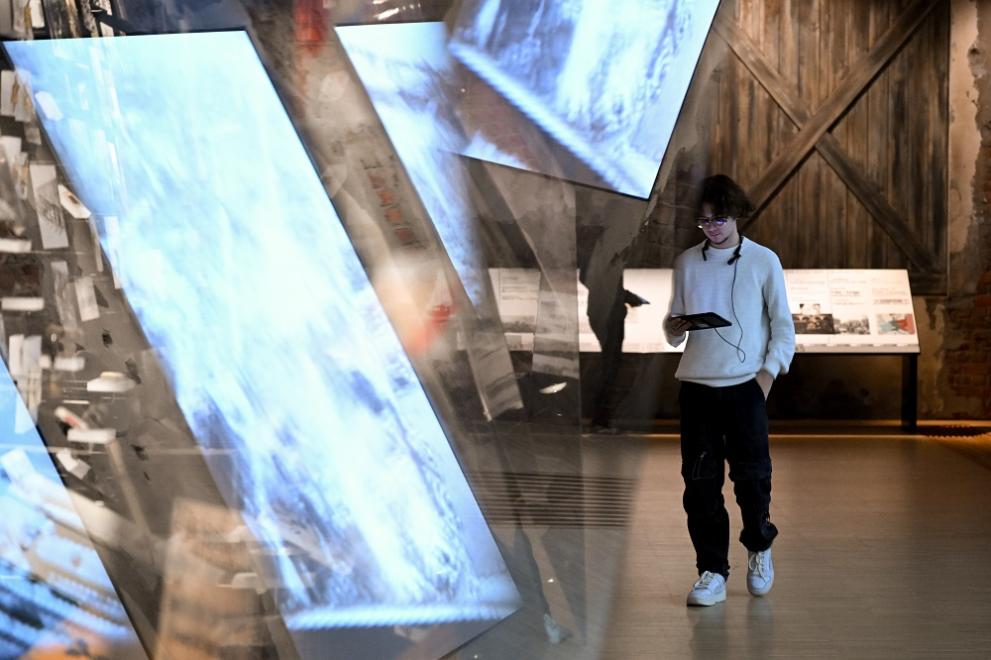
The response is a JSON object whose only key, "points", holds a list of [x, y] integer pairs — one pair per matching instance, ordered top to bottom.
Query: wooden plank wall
{"points": [[895, 132]]}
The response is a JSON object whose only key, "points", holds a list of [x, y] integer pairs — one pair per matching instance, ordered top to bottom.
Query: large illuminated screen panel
{"points": [[407, 72], [604, 79], [243, 279]]}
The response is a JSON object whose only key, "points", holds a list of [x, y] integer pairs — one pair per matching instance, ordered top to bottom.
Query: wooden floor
{"points": [[884, 552]]}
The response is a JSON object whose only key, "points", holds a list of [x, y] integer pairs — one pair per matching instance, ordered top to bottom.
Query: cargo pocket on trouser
{"points": [[699, 465], [703, 475]]}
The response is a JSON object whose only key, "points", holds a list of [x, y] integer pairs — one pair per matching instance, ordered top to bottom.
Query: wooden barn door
{"points": [[833, 114]]}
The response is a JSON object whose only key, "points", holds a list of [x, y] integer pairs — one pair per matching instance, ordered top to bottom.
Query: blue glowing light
{"points": [[408, 75], [604, 79], [244, 281]]}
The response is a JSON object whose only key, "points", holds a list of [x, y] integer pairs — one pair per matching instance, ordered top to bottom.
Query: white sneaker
{"points": [[760, 572], [708, 590], [555, 633]]}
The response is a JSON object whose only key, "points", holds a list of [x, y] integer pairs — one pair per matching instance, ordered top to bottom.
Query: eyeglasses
{"points": [[705, 223]]}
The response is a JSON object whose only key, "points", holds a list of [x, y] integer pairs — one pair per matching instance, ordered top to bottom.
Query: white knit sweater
{"points": [[762, 323]]}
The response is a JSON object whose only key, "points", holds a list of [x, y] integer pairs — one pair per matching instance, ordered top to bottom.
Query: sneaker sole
{"points": [[758, 593], [706, 602]]}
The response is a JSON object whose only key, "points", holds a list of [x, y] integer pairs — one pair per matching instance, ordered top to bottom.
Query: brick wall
{"points": [[966, 365], [960, 367]]}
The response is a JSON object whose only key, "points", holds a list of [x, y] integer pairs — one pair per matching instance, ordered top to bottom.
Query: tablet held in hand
{"points": [[704, 321]]}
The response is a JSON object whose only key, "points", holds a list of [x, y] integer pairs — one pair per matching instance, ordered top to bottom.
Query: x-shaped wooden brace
{"points": [[814, 128]]}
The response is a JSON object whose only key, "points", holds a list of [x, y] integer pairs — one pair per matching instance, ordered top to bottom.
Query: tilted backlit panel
{"points": [[406, 71], [604, 79], [243, 279]]}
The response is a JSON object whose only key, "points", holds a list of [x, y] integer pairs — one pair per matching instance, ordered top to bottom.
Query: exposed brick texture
{"points": [[966, 368]]}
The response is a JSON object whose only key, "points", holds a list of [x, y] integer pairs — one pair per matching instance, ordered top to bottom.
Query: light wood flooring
{"points": [[884, 552]]}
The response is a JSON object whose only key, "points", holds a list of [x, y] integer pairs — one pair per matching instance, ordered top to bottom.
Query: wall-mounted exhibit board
{"points": [[835, 311]]}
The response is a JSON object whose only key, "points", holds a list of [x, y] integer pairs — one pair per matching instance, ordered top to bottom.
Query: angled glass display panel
{"points": [[408, 75], [606, 80], [432, 111], [240, 273], [55, 597]]}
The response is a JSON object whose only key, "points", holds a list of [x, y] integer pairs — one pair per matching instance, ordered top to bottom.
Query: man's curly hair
{"points": [[725, 197]]}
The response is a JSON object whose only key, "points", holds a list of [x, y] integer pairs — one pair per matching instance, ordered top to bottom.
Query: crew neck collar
{"points": [[731, 247]]}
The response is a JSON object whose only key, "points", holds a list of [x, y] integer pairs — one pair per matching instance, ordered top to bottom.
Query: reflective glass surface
{"points": [[606, 80], [294, 309], [327, 369], [55, 595]]}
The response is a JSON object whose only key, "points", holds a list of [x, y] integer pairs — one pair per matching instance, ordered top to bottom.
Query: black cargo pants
{"points": [[720, 424]]}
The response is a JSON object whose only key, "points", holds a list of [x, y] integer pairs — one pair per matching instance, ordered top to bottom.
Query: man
{"points": [[726, 375]]}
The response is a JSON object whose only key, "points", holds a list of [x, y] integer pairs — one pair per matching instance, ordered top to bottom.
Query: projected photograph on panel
{"points": [[409, 77], [604, 79], [433, 108], [240, 273], [55, 597]]}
